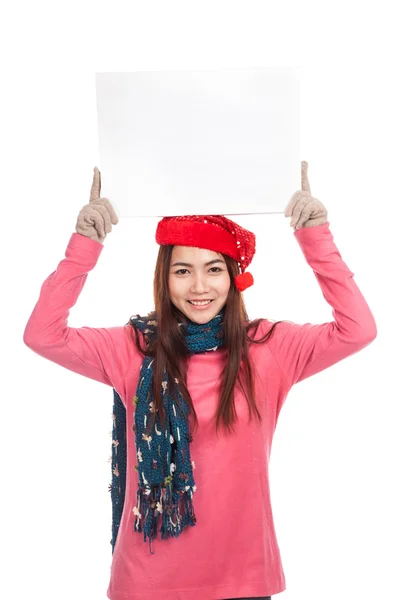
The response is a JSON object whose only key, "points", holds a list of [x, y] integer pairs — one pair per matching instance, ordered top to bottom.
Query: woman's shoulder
{"points": [[261, 323], [266, 329], [134, 333]]}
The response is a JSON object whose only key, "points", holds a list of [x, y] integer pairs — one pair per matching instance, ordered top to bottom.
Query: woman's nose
{"points": [[199, 284]]}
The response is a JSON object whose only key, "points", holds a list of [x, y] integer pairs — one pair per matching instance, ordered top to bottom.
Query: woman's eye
{"points": [[180, 270]]}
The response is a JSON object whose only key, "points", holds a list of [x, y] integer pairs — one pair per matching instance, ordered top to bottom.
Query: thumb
{"points": [[96, 185], [305, 185]]}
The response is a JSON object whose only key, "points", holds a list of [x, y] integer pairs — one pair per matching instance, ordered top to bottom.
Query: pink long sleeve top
{"points": [[232, 551]]}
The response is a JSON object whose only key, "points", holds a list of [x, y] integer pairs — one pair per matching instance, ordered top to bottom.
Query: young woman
{"points": [[201, 388]]}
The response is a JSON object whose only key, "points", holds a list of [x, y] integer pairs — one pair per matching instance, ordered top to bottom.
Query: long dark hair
{"points": [[171, 355]]}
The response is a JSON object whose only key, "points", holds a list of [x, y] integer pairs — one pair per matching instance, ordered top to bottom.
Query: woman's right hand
{"points": [[95, 219]]}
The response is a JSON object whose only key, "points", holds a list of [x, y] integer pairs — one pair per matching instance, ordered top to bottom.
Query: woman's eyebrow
{"points": [[211, 262]]}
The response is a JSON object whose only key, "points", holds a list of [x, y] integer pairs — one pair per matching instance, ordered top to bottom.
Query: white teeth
{"points": [[200, 303]]}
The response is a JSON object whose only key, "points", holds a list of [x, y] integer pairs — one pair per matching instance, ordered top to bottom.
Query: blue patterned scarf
{"points": [[166, 483]]}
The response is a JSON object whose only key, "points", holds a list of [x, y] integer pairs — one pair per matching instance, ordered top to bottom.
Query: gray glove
{"points": [[305, 210], [95, 219]]}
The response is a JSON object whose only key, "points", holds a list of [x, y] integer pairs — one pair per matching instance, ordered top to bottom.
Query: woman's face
{"points": [[191, 278]]}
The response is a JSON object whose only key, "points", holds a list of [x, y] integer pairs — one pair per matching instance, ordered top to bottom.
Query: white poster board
{"points": [[199, 142]]}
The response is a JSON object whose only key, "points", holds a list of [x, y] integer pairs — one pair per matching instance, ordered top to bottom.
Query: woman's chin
{"points": [[201, 315]]}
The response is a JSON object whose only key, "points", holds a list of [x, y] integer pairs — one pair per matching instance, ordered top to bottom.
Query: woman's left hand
{"points": [[305, 210]]}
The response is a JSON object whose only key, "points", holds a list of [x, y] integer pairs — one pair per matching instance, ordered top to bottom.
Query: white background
{"points": [[334, 463]]}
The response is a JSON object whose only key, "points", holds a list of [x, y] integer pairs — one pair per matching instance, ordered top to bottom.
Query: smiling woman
{"points": [[181, 361]]}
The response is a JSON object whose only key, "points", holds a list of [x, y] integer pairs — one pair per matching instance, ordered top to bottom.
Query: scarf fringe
{"points": [[177, 511]]}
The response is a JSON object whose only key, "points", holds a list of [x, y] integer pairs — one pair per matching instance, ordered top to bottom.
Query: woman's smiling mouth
{"points": [[200, 303]]}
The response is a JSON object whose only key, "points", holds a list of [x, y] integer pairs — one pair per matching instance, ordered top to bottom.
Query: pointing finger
{"points": [[96, 185], [305, 185]]}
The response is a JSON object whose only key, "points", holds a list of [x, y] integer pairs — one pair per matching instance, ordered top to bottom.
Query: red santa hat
{"points": [[212, 232]]}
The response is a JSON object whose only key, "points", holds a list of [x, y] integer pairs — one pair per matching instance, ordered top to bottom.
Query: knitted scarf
{"points": [[166, 483]]}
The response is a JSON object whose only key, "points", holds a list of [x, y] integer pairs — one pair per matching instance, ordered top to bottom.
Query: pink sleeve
{"points": [[303, 350], [103, 354]]}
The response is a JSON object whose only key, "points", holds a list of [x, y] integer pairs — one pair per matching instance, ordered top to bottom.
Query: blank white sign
{"points": [[221, 141]]}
